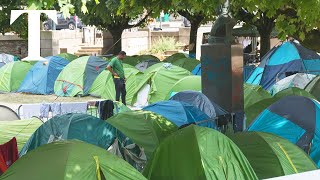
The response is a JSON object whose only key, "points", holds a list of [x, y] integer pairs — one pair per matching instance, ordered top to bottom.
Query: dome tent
{"points": [[67, 56], [175, 56], [148, 57], [288, 57], [7, 58], [131, 60], [186, 63], [142, 66], [197, 70], [12, 75], [42, 76], [77, 77], [161, 77], [299, 80], [189, 83], [103, 86], [314, 88], [254, 94], [200, 101], [255, 109], [181, 113], [7, 114], [296, 119], [72, 126], [24, 128], [144, 128], [196, 152], [272, 156], [71, 160]]}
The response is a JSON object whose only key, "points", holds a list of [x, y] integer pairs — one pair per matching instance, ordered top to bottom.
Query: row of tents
{"points": [[67, 75], [282, 98], [281, 137], [157, 147]]}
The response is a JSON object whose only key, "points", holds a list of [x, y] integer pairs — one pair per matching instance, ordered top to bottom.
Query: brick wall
{"points": [[12, 44]]}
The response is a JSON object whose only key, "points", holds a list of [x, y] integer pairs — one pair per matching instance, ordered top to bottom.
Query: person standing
{"points": [[119, 79]]}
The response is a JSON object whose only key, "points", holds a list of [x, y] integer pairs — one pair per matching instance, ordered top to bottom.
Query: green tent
{"points": [[67, 56], [147, 57], [175, 57], [133, 61], [187, 63], [127, 65], [12, 75], [77, 77], [161, 77], [189, 83], [104, 87], [314, 87], [293, 92], [254, 94], [255, 109], [73, 126], [144, 128], [21, 129], [196, 152], [272, 156], [71, 160]]}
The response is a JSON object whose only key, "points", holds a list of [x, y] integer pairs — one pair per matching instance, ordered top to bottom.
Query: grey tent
{"points": [[146, 64], [200, 101], [7, 114]]}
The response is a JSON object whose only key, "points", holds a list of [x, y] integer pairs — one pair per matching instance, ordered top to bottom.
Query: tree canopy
{"points": [[198, 12], [115, 16], [297, 18], [19, 25]]}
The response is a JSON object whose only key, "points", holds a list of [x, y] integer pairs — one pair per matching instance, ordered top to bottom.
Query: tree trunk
{"points": [[195, 21], [265, 26], [193, 36], [117, 41], [265, 44]]}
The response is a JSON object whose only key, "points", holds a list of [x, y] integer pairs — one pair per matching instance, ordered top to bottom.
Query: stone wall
{"points": [[52, 42], [135, 42], [12, 44]]}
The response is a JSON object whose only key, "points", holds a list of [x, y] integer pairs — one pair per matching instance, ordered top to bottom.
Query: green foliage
{"points": [[64, 6], [207, 8], [292, 17], [19, 26], [163, 44]]}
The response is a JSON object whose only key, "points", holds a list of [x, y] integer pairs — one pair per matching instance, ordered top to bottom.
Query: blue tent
{"points": [[283, 60], [197, 70], [42, 76], [200, 101], [181, 113], [296, 119], [73, 126]]}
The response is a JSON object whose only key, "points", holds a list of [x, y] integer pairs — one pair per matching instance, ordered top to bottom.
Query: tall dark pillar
{"points": [[222, 65]]}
